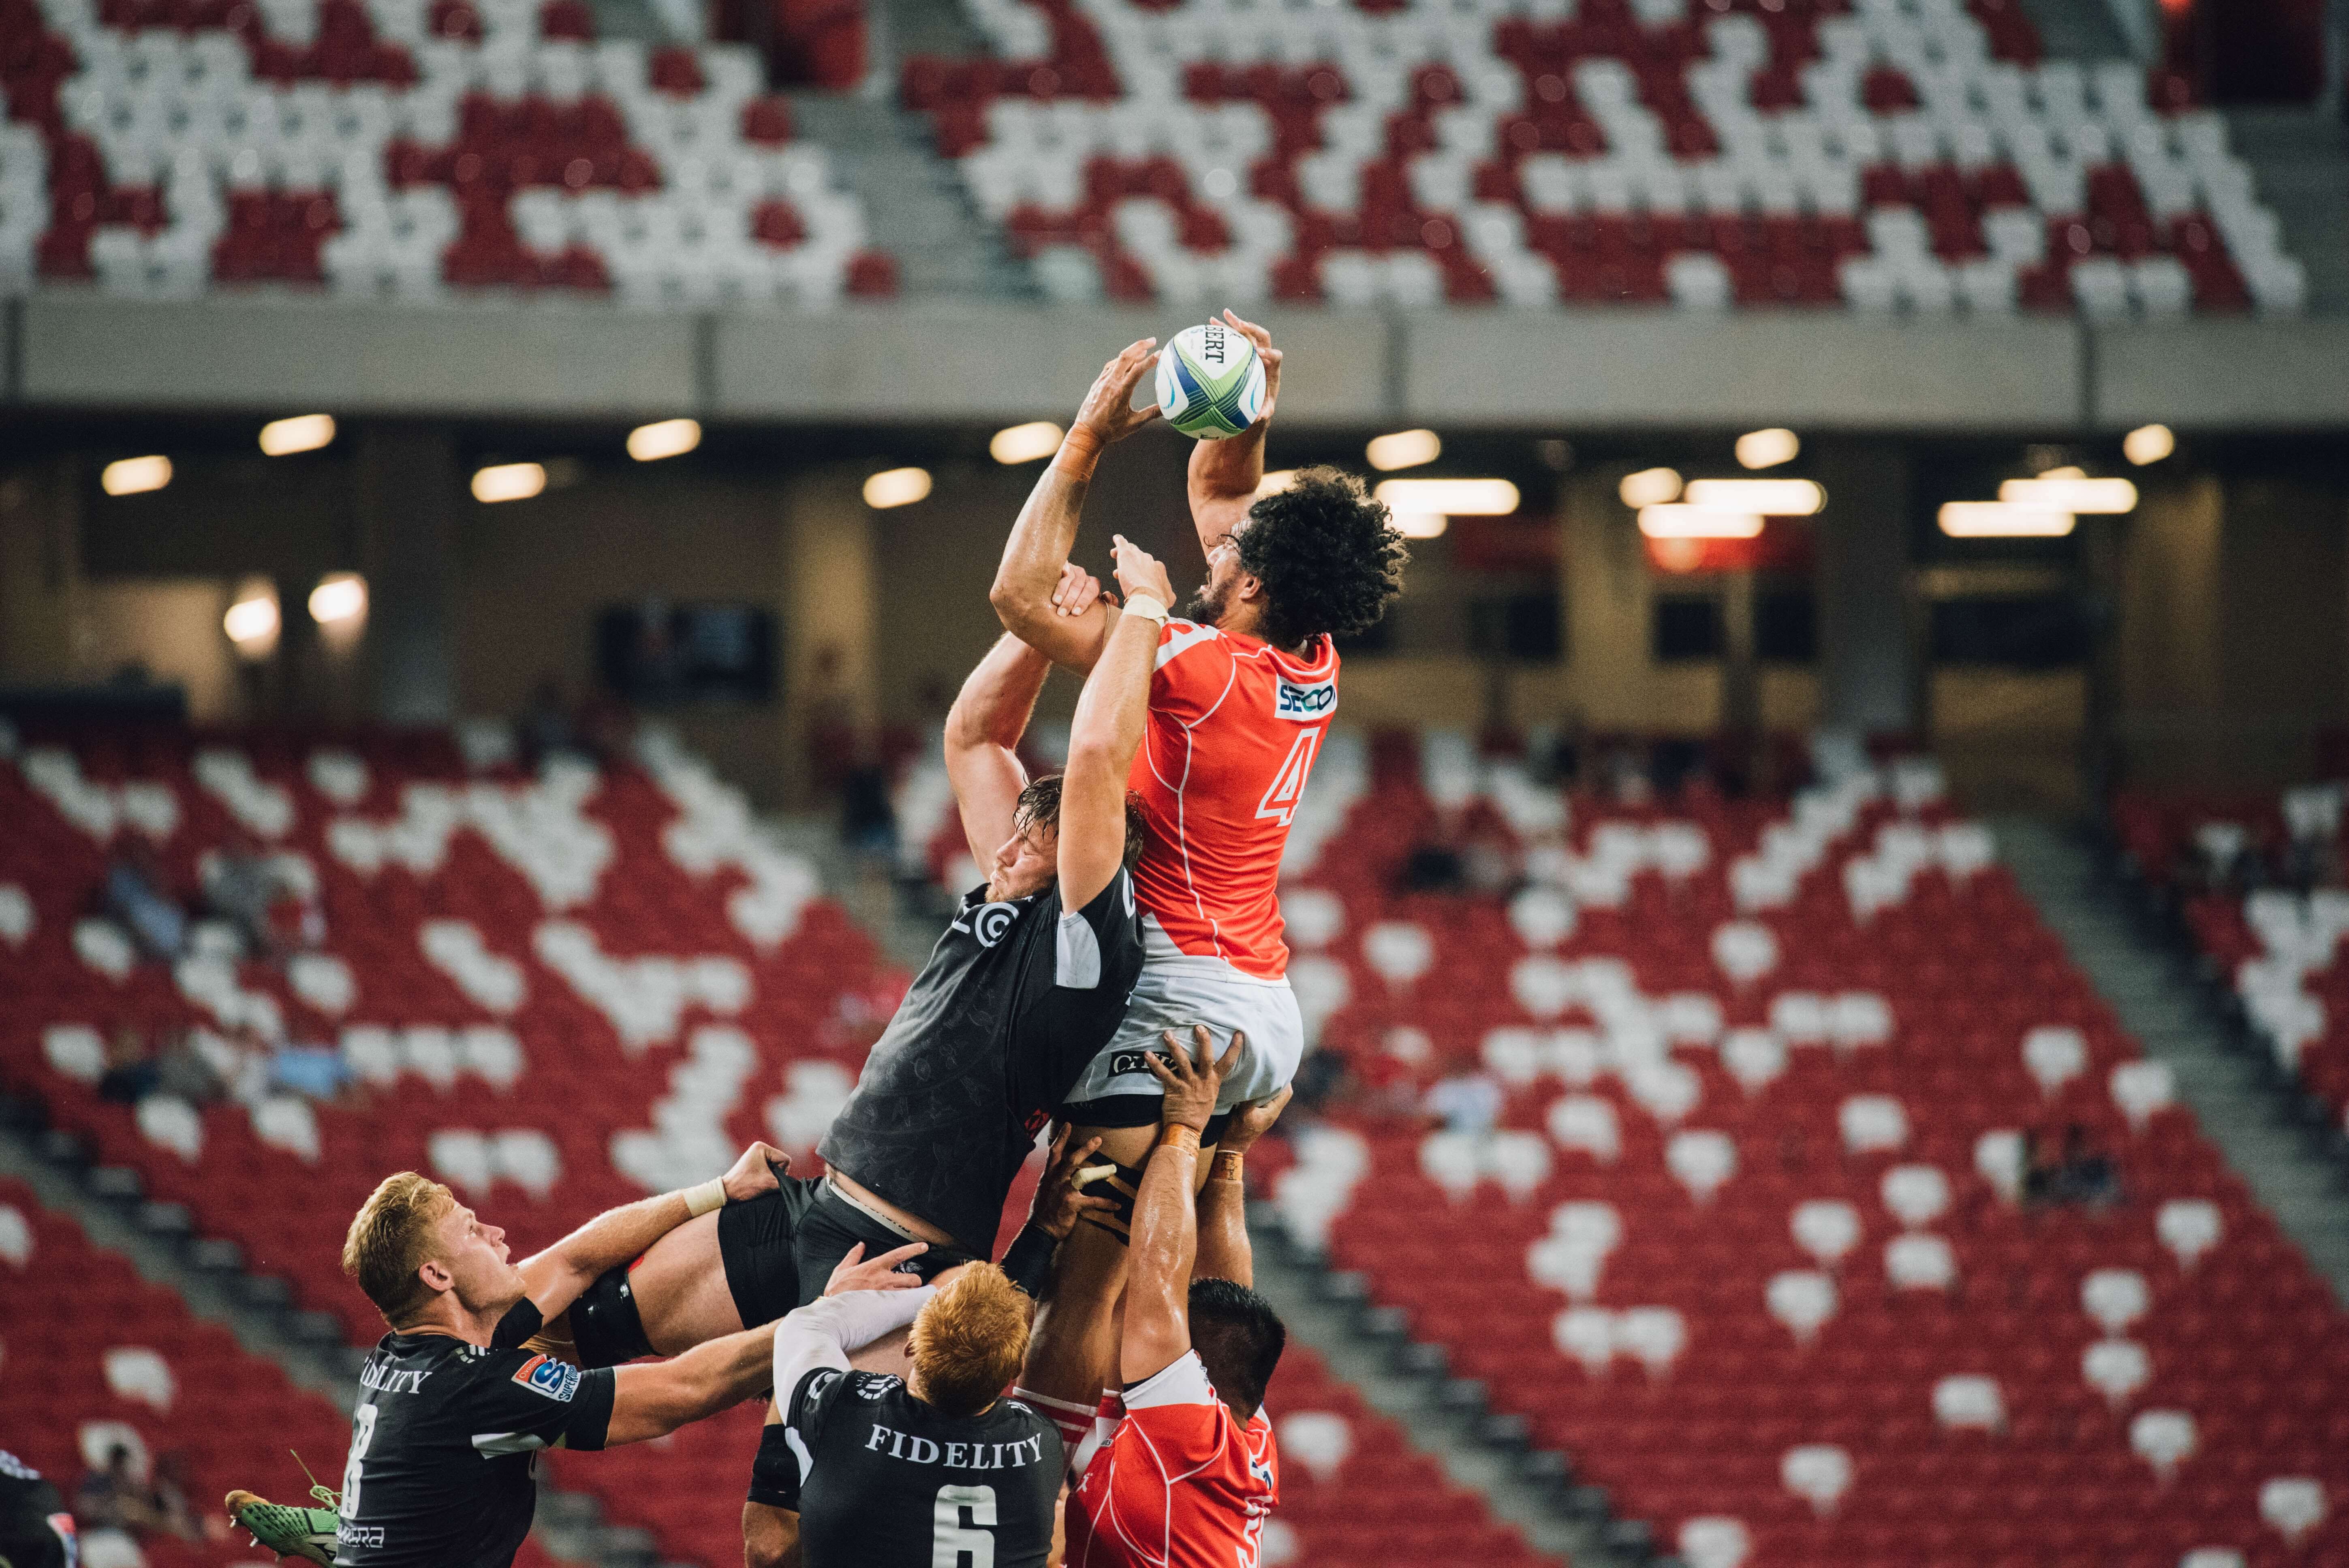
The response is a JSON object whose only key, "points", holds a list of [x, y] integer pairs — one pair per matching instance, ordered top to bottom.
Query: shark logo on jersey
{"points": [[989, 922], [558, 1380]]}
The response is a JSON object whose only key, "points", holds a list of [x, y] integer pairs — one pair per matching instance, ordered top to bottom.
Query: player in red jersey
{"points": [[1242, 694], [1181, 1470]]}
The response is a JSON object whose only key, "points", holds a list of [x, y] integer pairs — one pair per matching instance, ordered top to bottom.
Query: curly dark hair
{"points": [[1328, 554]]}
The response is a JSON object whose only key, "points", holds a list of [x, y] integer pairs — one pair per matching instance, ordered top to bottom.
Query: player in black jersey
{"points": [[1035, 971], [1027, 982], [452, 1409], [931, 1469], [35, 1531]]}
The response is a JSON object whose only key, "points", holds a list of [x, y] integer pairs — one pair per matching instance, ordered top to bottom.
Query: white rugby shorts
{"points": [[1178, 990]]}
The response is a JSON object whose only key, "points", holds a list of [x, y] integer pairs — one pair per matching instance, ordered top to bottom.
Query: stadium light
{"points": [[302, 433], [664, 439], [1025, 443], [2149, 444], [1767, 448], [1404, 449], [135, 475], [509, 481], [1274, 481], [897, 486], [1650, 487], [2047, 493], [1448, 498], [1771, 498], [2003, 519], [1678, 520], [1420, 525], [339, 598], [252, 621]]}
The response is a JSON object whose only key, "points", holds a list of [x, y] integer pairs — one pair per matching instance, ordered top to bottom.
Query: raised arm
{"points": [[1224, 475], [1026, 581], [1110, 713], [983, 731], [1165, 1237], [1223, 1251], [553, 1279], [653, 1398]]}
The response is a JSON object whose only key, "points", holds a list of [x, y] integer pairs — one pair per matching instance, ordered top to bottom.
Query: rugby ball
{"points": [[1210, 382]]}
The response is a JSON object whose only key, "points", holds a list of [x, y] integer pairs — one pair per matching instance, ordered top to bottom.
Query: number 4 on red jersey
{"points": [[1280, 802]]}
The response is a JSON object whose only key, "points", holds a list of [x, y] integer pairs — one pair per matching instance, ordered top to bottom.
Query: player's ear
{"points": [[435, 1275]]}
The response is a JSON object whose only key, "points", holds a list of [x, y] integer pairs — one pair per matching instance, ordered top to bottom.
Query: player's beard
{"points": [[1207, 607]]}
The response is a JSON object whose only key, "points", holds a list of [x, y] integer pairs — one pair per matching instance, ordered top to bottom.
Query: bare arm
{"points": [[1224, 475], [1047, 529], [1110, 713], [983, 731], [1165, 1238], [1223, 1252], [553, 1279], [654, 1399], [770, 1536]]}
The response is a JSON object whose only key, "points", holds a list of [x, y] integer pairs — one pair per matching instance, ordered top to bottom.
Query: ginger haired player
{"points": [[1241, 698], [1180, 1471]]}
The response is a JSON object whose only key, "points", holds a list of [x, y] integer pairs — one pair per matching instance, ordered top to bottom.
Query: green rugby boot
{"points": [[285, 1529]]}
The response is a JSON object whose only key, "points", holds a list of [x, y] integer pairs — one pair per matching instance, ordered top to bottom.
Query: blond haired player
{"points": [[1243, 691], [452, 1411]]}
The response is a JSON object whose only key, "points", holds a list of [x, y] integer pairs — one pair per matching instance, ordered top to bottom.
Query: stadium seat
{"points": [[385, 148], [1908, 158]]}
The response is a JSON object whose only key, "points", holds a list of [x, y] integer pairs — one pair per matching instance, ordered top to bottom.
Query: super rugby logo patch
{"points": [[558, 1380]]}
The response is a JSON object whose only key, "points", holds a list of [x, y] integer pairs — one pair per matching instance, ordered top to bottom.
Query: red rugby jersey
{"points": [[1234, 725], [1177, 1482]]}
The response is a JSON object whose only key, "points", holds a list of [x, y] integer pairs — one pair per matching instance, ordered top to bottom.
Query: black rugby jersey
{"points": [[1016, 999], [443, 1445], [884, 1482], [36, 1530]]}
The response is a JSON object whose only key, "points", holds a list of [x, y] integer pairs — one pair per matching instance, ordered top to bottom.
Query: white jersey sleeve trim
{"points": [[1181, 637], [1076, 957], [822, 1333], [1182, 1381]]}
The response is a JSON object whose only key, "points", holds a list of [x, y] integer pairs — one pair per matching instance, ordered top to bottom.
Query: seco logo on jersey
{"points": [[1303, 704]]}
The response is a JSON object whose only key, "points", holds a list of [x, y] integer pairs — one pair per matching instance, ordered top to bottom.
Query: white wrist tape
{"points": [[1147, 606], [701, 1200]]}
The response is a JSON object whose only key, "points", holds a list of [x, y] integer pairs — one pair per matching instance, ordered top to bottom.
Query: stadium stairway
{"points": [[2077, 29], [2301, 158], [914, 200], [2174, 1020], [1323, 1310]]}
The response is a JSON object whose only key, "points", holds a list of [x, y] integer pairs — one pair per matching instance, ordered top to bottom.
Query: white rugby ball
{"points": [[1210, 381]]}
